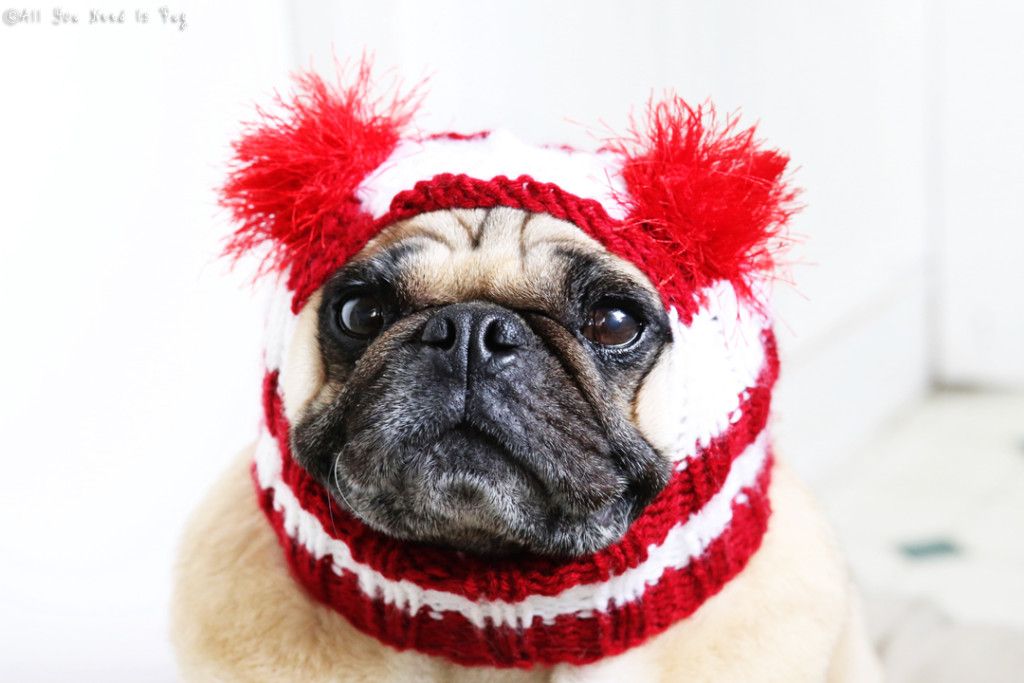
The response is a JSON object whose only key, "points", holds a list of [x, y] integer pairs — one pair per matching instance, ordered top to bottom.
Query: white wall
{"points": [[978, 193], [132, 359]]}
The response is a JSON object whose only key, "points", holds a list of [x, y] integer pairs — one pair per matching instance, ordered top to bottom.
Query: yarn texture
{"points": [[697, 207]]}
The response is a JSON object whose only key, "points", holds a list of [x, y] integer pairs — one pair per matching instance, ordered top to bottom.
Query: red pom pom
{"points": [[294, 176], [711, 203]]}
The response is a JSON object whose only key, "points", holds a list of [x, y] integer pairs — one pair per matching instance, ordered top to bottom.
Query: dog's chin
{"points": [[466, 491]]}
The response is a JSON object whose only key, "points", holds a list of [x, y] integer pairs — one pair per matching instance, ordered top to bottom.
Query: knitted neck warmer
{"points": [[696, 535], [689, 542]]}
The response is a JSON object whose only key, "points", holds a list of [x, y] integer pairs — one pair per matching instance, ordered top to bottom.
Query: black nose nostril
{"points": [[438, 332], [474, 336], [499, 336]]}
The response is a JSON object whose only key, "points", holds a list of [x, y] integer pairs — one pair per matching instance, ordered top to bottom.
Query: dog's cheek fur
{"points": [[304, 373], [655, 410]]}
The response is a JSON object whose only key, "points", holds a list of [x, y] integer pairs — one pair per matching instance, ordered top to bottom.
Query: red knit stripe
{"points": [[456, 135], [450, 191], [459, 191], [512, 579], [570, 638]]}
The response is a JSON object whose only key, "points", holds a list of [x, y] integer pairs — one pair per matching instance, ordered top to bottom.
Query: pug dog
{"points": [[490, 380]]}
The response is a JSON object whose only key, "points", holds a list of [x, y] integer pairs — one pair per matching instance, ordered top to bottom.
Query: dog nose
{"points": [[477, 334]]}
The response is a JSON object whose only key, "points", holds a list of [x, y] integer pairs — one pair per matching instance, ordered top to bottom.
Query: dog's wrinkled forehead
{"points": [[510, 256]]}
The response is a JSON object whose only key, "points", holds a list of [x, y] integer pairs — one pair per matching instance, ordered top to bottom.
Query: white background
{"points": [[132, 355]]}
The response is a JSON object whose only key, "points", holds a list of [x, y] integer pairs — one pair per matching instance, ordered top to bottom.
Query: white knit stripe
{"points": [[584, 174], [279, 324], [714, 362], [267, 457], [686, 541]]}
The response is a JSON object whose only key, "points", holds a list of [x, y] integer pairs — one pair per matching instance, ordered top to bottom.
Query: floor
{"points": [[932, 518]]}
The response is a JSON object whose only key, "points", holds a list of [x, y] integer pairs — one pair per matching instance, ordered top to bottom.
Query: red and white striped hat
{"points": [[694, 205]]}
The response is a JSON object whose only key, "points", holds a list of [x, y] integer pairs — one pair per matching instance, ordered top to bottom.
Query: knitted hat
{"points": [[694, 205]]}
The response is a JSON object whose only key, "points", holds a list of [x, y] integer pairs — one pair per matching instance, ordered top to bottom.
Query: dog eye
{"points": [[360, 316], [610, 325]]}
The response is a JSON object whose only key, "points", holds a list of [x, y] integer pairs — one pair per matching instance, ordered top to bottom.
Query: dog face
{"points": [[471, 377]]}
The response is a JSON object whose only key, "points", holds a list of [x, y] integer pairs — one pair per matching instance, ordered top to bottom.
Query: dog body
{"points": [[483, 351]]}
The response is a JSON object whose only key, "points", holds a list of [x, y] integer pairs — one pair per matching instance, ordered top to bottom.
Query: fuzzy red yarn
{"points": [[293, 181], [705, 201], [709, 202]]}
